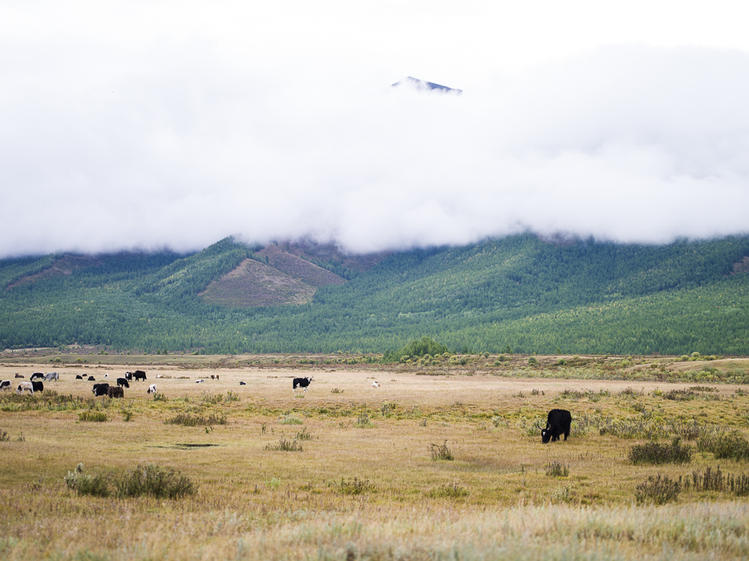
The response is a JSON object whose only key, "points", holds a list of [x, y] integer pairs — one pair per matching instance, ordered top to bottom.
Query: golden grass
{"points": [[353, 492]]}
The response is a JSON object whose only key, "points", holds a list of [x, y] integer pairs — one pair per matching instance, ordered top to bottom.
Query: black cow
{"points": [[19, 375], [36, 375], [129, 375], [139, 375], [78, 377], [91, 379], [122, 382], [240, 383], [300, 383], [5, 385], [38, 386], [100, 389], [115, 391], [557, 422]]}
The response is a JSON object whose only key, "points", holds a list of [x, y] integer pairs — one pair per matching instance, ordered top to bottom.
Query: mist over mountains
{"points": [[631, 144]]}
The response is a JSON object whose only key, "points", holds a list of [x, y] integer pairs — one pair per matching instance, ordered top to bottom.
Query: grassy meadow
{"points": [[442, 461]]}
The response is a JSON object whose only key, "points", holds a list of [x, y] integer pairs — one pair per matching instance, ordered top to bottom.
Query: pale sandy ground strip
{"points": [[274, 385]]}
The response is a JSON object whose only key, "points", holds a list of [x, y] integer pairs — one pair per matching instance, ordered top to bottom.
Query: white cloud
{"points": [[158, 124]]}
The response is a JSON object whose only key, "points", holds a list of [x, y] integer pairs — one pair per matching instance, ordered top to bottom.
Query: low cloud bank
{"points": [[630, 144]]}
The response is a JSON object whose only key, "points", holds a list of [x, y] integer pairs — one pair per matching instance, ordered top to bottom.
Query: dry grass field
{"points": [[349, 471]]}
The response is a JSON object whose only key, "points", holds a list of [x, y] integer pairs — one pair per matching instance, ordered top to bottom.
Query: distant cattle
{"points": [[19, 375], [129, 375], [139, 375], [37, 376], [51, 376], [78, 377], [91, 379], [199, 381], [123, 382], [242, 383], [301, 383], [375, 384], [5, 385], [25, 387], [152, 388], [100, 389], [115, 391], [557, 423]]}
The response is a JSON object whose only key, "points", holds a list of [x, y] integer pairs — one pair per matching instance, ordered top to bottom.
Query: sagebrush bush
{"points": [[290, 420], [303, 435], [731, 445], [655, 453], [149, 479], [153, 480], [658, 489]]}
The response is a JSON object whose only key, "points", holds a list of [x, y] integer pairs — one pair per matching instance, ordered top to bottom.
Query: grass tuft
{"points": [[93, 416], [188, 420], [285, 445], [441, 452], [556, 469], [658, 489], [448, 490]]}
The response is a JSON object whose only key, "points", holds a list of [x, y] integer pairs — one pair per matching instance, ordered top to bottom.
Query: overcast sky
{"points": [[148, 124]]}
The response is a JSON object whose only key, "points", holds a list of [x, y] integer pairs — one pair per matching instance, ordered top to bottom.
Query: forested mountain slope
{"points": [[519, 292]]}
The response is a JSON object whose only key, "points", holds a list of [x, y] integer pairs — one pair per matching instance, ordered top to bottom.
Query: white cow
{"points": [[51, 376], [375, 384], [25, 386], [152, 388]]}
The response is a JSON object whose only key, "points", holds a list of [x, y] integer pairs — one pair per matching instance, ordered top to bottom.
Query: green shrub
{"points": [[416, 348], [93, 416], [730, 445], [441, 452], [655, 453], [153, 480], [659, 489]]}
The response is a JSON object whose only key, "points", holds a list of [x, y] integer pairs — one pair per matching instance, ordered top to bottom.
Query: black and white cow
{"points": [[128, 375], [139, 375], [37, 376], [51, 376], [123, 382], [301, 383], [5, 385], [38, 385], [25, 387], [151, 388], [100, 389], [557, 423]]}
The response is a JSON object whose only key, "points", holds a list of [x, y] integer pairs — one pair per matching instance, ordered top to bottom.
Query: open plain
{"points": [[441, 461]]}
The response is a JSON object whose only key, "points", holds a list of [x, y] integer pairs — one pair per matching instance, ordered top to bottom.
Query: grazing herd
{"points": [[558, 421]]}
